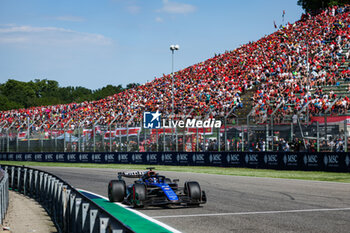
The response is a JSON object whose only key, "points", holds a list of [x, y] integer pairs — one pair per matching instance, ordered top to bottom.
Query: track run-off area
{"points": [[237, 203]]}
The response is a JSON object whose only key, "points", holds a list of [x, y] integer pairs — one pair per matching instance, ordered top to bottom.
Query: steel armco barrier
{"points": [[4, 194], [70, 210]]}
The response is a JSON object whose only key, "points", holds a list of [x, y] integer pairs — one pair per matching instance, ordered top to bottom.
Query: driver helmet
{"points": [[153, 179]]}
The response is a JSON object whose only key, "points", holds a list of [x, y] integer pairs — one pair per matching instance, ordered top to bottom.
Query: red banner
{"points": [[331, 119], [163, 130], [200, 130], [126, 131]]}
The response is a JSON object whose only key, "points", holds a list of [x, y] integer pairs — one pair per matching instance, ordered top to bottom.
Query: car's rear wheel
{"points": [[116, 190], [138, 195]]}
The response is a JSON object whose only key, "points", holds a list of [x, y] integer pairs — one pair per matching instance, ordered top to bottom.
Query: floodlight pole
{"points": [[172, 48]]}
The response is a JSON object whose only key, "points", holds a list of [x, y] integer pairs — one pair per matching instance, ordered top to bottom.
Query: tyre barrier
{"points": [[4, 194], [70, 210]]}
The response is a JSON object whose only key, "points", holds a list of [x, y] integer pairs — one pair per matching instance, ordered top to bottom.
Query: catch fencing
{"points": [[235, 134], [70, 210]]}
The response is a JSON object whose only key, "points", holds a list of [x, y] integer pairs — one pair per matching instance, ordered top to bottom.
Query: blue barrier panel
{"points": [[327, 161]]}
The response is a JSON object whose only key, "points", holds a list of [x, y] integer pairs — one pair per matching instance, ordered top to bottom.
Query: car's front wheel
{"points": [[116, 190], [194, 192], [138, 195]]}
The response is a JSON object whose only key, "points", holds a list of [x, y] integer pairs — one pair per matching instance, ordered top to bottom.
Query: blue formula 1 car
{"points": [[152, 189]]}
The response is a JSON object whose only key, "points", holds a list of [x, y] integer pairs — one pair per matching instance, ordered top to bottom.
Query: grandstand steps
{"points": [[247, 101]]}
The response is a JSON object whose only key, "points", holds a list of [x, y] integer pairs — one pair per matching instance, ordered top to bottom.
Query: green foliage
{"points": [[314, 5], [132, 85], [107, 91], [16, 94]]}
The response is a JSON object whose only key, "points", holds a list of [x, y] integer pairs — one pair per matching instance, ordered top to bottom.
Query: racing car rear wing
{"points": [[134, 174]]}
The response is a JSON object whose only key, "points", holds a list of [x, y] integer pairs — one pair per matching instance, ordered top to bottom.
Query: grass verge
{"points": [[299, 175]]}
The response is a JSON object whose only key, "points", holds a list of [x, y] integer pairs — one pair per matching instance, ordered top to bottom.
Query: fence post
{"points": [[225, 123], [242, 129], [272, 134], [28, 136], [157, 136], [267, 136], [318, 136], [345, 136], [94, 137], [127, 137], [138, 137], [110, 138], [120, 138], [164, 138], [184, 138], [176, 139], [197, 139], [56, 140], [8, 141], [41, 141], [218, 141]]}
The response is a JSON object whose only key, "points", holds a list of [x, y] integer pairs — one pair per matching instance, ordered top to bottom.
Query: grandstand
{"points": [[300, 70]]}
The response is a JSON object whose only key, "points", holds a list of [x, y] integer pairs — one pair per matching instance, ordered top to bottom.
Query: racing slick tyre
{"points": [[116, 190], [193, 190], [138, 195]]}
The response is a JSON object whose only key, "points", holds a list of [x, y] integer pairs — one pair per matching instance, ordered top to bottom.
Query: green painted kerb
{"points": [[129, 218]]}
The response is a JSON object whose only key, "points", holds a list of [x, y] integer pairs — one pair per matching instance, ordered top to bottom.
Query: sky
{"points": [[95, 43]]}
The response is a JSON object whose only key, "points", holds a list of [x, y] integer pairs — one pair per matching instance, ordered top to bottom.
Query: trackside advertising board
{"points": [[336, 162]]}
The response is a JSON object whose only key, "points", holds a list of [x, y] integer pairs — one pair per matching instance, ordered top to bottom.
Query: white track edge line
{"points": [[138, 213], [252, 213]]}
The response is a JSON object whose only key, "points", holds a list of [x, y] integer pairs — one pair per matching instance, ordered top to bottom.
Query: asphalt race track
{"points": [[241, 204]]}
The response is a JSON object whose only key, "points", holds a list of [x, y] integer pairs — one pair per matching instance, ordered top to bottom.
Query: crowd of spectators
{"points": [[309, 55], [276, 65]]}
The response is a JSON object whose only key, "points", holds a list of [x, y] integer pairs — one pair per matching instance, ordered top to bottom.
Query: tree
{"points": [[314, 5], [132, 85], [107, 91], [16, 94]]}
